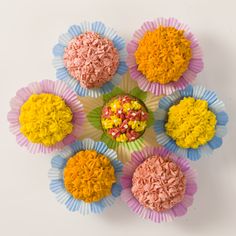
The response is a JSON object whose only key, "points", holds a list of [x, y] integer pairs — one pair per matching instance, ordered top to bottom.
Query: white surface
{"points": [[28, 30]]}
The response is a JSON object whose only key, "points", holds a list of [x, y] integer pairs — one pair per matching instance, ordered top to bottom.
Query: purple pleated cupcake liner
{"points": [[195, 64], [58, 88], [179, 209]]}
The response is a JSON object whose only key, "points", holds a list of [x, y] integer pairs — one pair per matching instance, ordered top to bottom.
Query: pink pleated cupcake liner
{"points": [[195, 64], [58, 88], [179, 209]]}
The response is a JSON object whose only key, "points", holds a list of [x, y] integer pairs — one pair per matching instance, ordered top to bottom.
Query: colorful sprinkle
{"points": [[163, 55], [91, 59], [124, 118], [46, 119], [190, 123], [89, 176], [158, 183]]}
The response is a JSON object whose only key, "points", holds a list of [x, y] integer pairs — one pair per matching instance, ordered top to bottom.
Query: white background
{"points": [[28, 31]]}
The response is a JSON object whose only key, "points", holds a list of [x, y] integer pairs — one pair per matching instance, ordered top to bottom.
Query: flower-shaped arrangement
{"points": [[164, 56], [90, 58], [46, 116], [123, 119], [126, 119], [191, 122], [85, 176], [158, 185]]}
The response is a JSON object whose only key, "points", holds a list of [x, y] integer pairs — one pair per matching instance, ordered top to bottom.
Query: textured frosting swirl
{"points": [[163, 55], [91, 59], [46, 119], [190, 123], [89, 176], [158, 183]]}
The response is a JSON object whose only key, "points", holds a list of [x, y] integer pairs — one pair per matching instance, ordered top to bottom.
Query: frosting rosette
{"points": [[163, 56], [90, 58], [45, 116], [123, 118], [191, 122], [85, 176], [158, 185]]}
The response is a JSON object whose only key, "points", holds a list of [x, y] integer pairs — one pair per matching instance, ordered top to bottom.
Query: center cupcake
{"points": [[124, 118]]}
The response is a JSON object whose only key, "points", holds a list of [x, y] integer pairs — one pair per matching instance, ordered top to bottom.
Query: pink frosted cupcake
{"points": [[164, 56], [90, 58], [158, 185]]}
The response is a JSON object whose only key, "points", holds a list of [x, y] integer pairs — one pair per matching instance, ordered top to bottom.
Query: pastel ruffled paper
{"points": [[76, 30], [195, 64], [58, 88], [214, 104], [93, 127], [57, 180], [177, 210]]}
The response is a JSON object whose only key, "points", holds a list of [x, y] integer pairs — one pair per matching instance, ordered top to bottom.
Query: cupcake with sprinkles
{"points": [[163, 56], [90, 57], [46, 116], [123, 119], [191, 122], [85, 176], [158, 185]]}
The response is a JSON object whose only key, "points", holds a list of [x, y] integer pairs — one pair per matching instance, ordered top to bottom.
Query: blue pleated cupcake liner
{"points": [[61, 70], [214, 104], [57, 178]]}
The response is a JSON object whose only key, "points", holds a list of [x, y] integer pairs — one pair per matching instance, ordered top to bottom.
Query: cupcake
{"points": [[163, 56], [90, 58], [46, 116], [123, 119], [191, 122], [85, 176], [157, 185]]}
